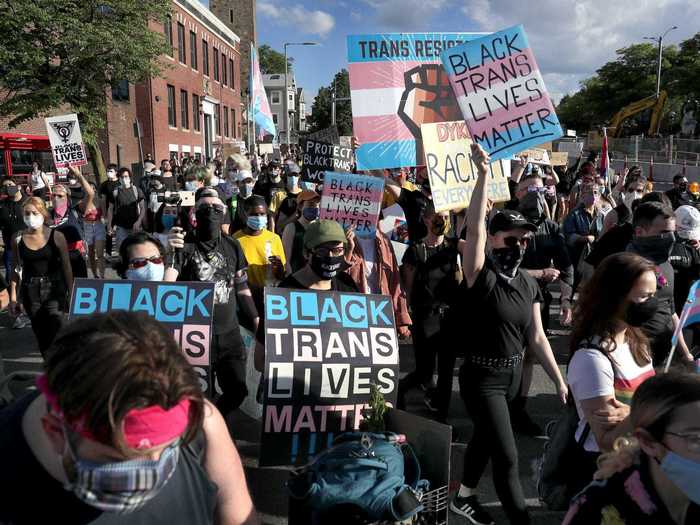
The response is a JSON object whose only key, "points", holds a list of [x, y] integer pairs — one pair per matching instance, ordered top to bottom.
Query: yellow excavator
{"points": [[657, 103]]}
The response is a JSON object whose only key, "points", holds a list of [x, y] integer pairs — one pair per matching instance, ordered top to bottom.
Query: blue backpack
{"points": [[372, 472]]}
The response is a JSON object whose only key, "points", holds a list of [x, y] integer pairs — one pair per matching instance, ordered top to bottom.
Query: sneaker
{"points": [[21, 321], [471, 509]]}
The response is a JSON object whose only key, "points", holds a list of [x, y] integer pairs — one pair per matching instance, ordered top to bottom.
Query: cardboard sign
{"points": [[397, 84], [501, 93], [329, 135], [66, 141], [265, 149], [574, 149], [536, 155], [320, 157], [559, 158], [451, 172], [352, 200], [393, 224], [184, 308], [323, 350]]}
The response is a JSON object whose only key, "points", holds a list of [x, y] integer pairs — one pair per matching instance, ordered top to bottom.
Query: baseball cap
{"points": [[293, 167], [307, 195], [506, 220], [688, 223], [323, 231]]}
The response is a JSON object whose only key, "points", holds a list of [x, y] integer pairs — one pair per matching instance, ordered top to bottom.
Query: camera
{"points": [[169, 198]]}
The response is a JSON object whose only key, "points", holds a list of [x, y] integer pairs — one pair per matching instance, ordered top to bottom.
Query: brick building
{"points": [[239, 16]]}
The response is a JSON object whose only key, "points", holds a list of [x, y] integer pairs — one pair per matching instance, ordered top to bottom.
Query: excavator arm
{"points": [[615, 128]]}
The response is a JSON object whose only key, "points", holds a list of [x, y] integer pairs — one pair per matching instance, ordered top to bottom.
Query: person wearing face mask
{"points": [[38, 181], [270, 183], [628, 189], [106, 193], [679, 194], [413, 203], [236, 204], [287, 205], [127, 211], [11, 219], [654, 226], [581, 229], [293, 235], [262, 249], [207, 255], [685, 256], [141, 258], [42, 275], [501, 313], [132, 442], [653, 476]]}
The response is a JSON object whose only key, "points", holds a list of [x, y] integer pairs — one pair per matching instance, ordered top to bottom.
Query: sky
{"points": [[570, 38]]}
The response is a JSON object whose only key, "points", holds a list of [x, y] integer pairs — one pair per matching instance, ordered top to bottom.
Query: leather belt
{"points": [[495, 362]]}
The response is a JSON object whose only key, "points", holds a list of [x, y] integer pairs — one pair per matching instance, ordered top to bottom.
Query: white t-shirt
{"points": [[37, 181], [369, 250], [591, 375]]}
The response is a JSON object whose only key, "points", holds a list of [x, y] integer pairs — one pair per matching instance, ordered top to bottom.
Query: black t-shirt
{"points": [[169, 183], [107, 190], [413, 204], [127, 205], [11, 220], [685, 260], [219, 264], [435, 280], [499, 313], [30, 495]]}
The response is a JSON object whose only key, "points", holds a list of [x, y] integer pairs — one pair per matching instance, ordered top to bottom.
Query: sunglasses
{"points": [[536, 189], [58, 196], [216, 207], [512, 242], [333, 252], [140, 262]]}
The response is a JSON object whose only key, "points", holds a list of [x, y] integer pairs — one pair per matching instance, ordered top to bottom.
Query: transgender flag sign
{"points": [[396, 85], [501, 93]]}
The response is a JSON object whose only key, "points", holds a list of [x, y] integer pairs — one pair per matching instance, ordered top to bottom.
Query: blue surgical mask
{"points": [[292, 181], [191, 185], [247, 189], [310, 214], [257, 222], [150, 272], [684, 473]]}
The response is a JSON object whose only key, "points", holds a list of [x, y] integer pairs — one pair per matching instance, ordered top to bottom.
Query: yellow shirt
{"points": [[390, 200], [254, 249]]}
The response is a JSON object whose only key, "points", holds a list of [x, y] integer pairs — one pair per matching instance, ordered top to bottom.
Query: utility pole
{"points": [[659, 39]]}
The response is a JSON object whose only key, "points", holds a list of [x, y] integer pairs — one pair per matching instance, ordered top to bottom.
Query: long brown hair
{"points": [[603, 301]]}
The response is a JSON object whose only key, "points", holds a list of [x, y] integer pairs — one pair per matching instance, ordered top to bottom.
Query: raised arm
{"points": [[89, 199], [474, 250]]}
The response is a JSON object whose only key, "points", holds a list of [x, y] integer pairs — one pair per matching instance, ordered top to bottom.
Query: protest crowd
{"points": [[119, 429]]}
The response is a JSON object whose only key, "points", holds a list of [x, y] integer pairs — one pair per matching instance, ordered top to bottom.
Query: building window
{"points": [[230, 15], [168, 30], [181, 43], [193, 49], [205, 58], [216, 64], [224, 71], [232, 82], [120, 92], [275, 97], [291, 97], [184, 109], [195, 113], [274, 118], [217, 119], [172, 121], [225, 121], [234, 133]]}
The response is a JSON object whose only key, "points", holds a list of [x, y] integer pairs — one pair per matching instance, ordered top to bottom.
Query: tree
{"points": [[70, 53], [272, 61], [321, 108]]}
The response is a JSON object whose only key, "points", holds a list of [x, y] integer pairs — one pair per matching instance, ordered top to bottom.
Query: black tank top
{"points": [[44, 262], [30, 495]]}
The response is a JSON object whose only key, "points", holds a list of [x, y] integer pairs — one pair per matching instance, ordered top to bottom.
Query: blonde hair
{"points": [[240, 162], [40, 206]]}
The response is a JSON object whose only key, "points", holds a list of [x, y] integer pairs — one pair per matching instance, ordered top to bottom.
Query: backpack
{"points": [[115, 193], [564, 467], [369, 472]]}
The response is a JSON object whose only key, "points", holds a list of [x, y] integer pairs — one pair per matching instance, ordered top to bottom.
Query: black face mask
{"points": [[683, 186], [11, 191], [532, 206], [209, 222], [656, 248], [507, 260], [326, 266], [639, 313]]}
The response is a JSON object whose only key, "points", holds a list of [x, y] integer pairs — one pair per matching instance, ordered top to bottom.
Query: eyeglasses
{"points": [[536, 189], [216, 207], [512, 242], [333, 252], [140, 262], [691, 438]]}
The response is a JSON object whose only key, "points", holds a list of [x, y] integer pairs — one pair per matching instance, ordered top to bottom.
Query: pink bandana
{"points": [[143, 427]]}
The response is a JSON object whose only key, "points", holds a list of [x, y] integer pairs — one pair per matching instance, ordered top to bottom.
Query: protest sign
{"points": [[397, 84], [501, 93], [329, 135], [66, 141], [265, 149], [574, 149], [536, 155], [319, 157], [559, 158], [451, 171], [352, 200], [393, 224], [184, 308], [323, 350], [250, 406]]}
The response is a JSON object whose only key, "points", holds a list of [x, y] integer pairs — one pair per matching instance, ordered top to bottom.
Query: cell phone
{"points": [[186, 198]]}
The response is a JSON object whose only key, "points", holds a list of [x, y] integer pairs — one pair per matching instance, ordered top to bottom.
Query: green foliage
{"points": [[69, 53], [272, 61], [632, 77], [321, 109], [373, 417]]}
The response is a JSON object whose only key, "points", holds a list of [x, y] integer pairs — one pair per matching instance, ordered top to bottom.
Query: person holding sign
{"points": [[293, 235], [42, 274], [504, 316], [119, 432]]}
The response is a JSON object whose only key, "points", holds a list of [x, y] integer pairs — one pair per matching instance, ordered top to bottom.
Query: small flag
{"points": [[260, 112], [604, 159]]}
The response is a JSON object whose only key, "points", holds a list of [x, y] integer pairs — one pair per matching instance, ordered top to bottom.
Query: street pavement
{"points": [[19, 353]]}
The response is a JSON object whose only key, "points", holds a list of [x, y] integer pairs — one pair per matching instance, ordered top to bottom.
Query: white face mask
{"points": [[111, 175], [126, 182], [33, 222]]}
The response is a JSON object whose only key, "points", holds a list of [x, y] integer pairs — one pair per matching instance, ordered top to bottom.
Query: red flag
{"points": [[604, 160]]}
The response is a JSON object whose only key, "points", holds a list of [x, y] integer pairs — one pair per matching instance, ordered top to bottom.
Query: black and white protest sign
{"points": [[329, 135], [66, 141], [319, 157], [323, 350]]}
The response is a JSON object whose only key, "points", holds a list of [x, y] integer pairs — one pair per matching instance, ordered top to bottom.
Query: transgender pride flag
{"points": [[397, 84], [259, 106], [689, 315]]}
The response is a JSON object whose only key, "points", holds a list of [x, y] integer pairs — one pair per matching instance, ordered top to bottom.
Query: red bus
{"points": [[18, 151]]}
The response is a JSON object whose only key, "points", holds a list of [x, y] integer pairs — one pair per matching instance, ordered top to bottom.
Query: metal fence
{"points": [[671, 150]]}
